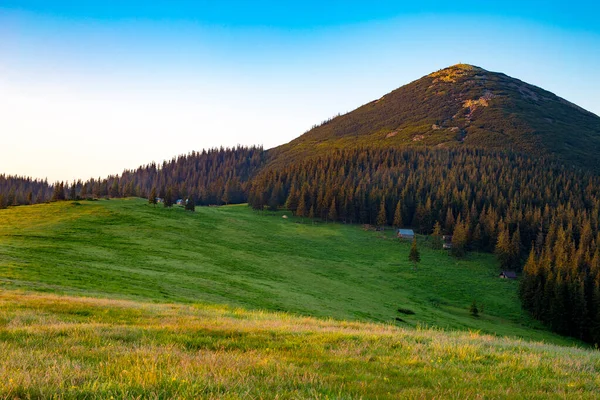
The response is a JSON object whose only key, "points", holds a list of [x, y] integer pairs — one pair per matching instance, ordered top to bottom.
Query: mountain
{"points": [[462, 105]]}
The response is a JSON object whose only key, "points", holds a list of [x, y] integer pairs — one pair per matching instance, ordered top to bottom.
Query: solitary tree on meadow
{"points": [[414, 255], [474, 310]]}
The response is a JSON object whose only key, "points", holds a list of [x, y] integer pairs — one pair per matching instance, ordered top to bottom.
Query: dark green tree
{"points": [[152, 197], [168, 201], [382, 215], [398, 216], [459, 239], [437, 242], [414, 256], [474, 310]]}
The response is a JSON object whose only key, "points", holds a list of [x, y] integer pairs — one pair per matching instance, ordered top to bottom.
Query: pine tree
{"points": [[114, 189], [72, 192], [56, 194], [152, 197], [292, 200], [168, 201], [273, 203], [301, 209], [332, 213], [311, 214], [382, 215], [398, 215], [449, 221], [459, 239], [437, 243], [503, 249], [515, 249], [414, 256], [527, 288], [474, 310]]}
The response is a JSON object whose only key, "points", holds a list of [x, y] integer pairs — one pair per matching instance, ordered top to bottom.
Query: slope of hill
{"points": [[462, 105], [231, 255], [74, 347]]}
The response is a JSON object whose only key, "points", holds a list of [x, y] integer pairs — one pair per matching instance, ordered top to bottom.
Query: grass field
{"points": [[127, 249], [118, 299], [75, 347]]}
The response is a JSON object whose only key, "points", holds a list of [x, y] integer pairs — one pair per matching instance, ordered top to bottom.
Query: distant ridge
{"points": [[462, 105]]}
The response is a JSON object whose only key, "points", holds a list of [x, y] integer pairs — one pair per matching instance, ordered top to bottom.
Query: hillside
{"points": [[462, 105], [231, 255], [77, 347]]}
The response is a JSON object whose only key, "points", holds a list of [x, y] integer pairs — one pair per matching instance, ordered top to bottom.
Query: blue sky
{"points": [[88, 88]]}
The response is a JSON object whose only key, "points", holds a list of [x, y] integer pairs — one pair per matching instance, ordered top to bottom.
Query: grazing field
{"points": [[231, 255], [76, 347]]}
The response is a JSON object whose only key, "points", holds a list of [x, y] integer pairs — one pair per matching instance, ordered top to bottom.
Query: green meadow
{"points": [[232, 255], [120, 298]]}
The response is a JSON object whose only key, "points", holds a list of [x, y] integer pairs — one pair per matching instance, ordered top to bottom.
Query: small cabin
{"points": [[179, 202], [407, 234], [508, 275]]}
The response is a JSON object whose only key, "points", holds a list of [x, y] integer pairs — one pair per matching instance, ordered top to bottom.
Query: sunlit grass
{"points": [[98, 348]]}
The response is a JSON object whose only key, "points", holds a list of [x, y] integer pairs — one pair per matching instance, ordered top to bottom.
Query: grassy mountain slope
{"points": [[462, 105], [231, 255], [73, 347]]}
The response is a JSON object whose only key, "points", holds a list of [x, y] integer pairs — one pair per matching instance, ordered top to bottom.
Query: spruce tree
{"points": [[114, 189], [73, 192], [152, 197], [292, 200], [168, 201], [332, 213], [382, 215], [398, 215], [459, 239], [437, 243], [503, 249], [515, 249], [414, 256], [527, 288], [474, 310]]}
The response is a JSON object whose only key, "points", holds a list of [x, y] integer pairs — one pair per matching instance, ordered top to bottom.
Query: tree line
{"points": [[211, 177]]}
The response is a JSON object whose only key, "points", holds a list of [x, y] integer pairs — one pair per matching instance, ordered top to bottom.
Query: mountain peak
{"points": [[455, 72], [463, 105]]}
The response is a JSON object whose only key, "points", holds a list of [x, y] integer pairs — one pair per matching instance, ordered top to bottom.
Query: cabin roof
{"points": [[509, 274]]}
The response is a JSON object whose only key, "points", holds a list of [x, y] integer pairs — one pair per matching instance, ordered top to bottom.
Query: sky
{"points": [[90, 88]]}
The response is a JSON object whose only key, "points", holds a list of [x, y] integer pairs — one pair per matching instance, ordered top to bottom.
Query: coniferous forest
{"points": [[211, 177], [536, 215]]}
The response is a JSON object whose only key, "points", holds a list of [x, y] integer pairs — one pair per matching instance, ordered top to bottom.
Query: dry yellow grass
{"points": [[67, 347]]}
